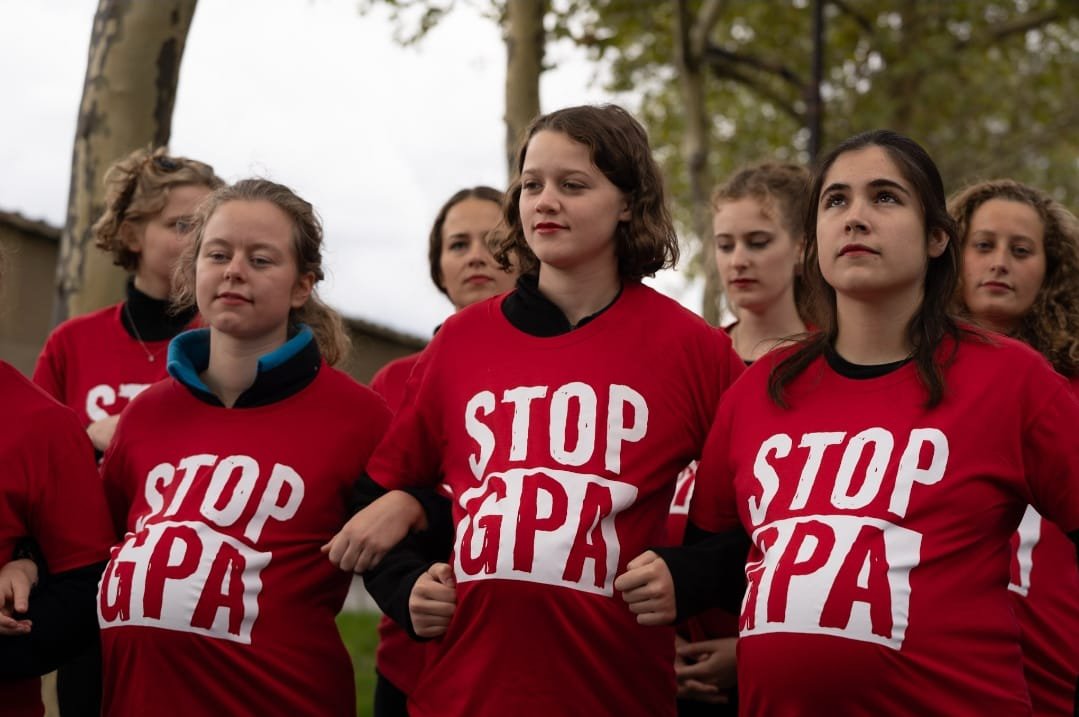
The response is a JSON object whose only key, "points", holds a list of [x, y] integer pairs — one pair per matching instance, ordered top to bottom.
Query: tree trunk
{"points": [[691, 35], [524, 36], [127, 100]]}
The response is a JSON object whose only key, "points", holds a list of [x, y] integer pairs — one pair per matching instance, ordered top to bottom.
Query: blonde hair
{"points": [[136, 188], [325, 323], [1051, 325]]}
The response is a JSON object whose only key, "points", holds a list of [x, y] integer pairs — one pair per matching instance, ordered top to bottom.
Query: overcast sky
{"points": [[311, 94]]}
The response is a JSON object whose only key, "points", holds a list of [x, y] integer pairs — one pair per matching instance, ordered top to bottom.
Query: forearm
{"points": [[708, 571], [63, 610]]}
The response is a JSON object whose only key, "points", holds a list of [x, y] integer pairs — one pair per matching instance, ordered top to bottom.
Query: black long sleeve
{"points": [[708, 570], [390, 582], [63, 609]]}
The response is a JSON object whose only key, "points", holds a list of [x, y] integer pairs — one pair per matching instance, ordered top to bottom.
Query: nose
{"points": [[547, 201], [854, 223], [478, 253], [739, 255], [999, 260], [234, 269]]}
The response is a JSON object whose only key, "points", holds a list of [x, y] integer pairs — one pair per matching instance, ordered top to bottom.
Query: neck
{"points": [[153, 286], [579, 294], [999, 325], [759, 331], [873, 331], [233, 365]]}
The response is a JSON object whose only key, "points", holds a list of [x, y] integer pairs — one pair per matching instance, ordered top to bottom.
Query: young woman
{"points": [[757, 218], [757, 223], [463, 269], [1020, 276], [96, 363], [558, 416], [880, 468], [50, 492], [218, 600]]}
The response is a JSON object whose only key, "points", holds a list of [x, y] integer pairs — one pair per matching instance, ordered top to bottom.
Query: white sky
{"points": [[311, 94]]}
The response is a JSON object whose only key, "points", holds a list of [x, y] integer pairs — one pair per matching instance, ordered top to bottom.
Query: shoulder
{"points": [[79, 326], [395, 372], [344, 389], [29, 411]]}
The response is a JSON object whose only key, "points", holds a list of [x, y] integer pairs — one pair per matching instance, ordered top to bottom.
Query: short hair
{"points": [[618, 146], [137, 187], [434, 240], [932, 322], [325, 323], [1051, 325]]}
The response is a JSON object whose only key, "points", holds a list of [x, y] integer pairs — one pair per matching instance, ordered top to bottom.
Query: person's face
{"points": [[569, 209], [871, 230], [161, 239], [756, 255], [1003, 263], [469, 271], [246, 276]]}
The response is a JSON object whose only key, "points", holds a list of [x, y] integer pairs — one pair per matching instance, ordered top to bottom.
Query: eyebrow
{"points": [[875, 184], [256, 246]]}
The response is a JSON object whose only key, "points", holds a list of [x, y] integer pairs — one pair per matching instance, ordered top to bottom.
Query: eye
{"points": [[531, 185], [572, 186], [886, 197], [833, 200], [183, 226], [759, 243], [458, 245], [982, 245], [725, 246], [1022, 251], [216, 255], [260, 261]]}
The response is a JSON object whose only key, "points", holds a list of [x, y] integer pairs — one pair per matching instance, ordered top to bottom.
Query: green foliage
{"points": [[987, 87], [360, 635]]}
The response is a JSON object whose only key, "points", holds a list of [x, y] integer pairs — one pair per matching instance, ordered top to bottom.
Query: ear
{"points": [[626, 214], [131, 236], [938, 242], [305, 284]]}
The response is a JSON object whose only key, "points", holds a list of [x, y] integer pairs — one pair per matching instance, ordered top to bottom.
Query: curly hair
{"points": [[618, 146], [137, 188], [781, 190], [434, 239], [932, 322], [325, 323], [1051, 325]]}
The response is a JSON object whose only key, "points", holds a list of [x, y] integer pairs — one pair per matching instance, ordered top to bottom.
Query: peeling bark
{"points": [[132, 70]]}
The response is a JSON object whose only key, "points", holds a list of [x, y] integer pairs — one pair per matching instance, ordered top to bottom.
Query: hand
{"points": [[101, 432], [371, 533], [17, 578], [648, 589], [433, 600], [706, 669]]}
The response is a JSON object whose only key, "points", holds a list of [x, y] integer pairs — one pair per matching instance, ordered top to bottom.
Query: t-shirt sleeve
{"points": [[49, 368], [410, 452], [1051, 453], [114, 478], [712, 507], [69, 518]]}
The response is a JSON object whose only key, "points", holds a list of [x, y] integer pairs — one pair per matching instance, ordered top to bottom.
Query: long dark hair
{"points": [[932, 321]]}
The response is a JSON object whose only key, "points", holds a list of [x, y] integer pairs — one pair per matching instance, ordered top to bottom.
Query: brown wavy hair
{"points": [[618, 146], [137, 188], [781, 189], [434, 239], [932, 322], [325, 323], [1051, 325]]}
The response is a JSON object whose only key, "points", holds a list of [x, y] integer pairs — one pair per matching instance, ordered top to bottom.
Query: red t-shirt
{"points": [[93, 366], [561, 454], [50, 491], [880, 529], [1045, 593], [218, 601], [398, 658]]}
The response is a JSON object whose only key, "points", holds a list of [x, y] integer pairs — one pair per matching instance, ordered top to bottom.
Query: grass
{"points": [[359, 633]]}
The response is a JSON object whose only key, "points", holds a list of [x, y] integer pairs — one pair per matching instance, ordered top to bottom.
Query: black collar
{"points": [[533, 313], [151, 317], [859, 371]]}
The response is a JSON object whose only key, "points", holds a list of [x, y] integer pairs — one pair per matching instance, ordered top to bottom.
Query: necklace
{"points": [[138, 337]]}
